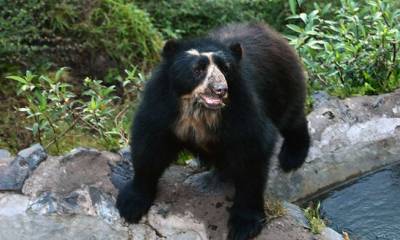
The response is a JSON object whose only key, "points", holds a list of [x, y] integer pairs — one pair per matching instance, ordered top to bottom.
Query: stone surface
{"points": [[350, 137], [125, 153], [4, 154], [33, 156], [5, 162], [194, 163], [122, 171], [15, 172], [62, 175], [208, 182], [86, 201], [12, 204], [297, 214], [170, 225], [37, 227], [142, 232], [330, 234]]}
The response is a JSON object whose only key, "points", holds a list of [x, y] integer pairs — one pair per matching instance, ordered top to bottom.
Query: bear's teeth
{"points": [[211, 101]]}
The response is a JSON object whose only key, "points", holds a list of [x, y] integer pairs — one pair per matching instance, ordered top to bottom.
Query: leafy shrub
{"points": [[177, 18], [90, 36], [352, 49], [56, 110]]}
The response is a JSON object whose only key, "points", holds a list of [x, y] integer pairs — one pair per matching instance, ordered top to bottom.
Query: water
{"points": [[368, 209]]}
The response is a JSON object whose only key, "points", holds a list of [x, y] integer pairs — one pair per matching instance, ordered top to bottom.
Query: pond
{"points": [[368, 208]]}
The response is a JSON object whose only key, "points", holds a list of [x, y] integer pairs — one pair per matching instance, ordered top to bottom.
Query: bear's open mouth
{"points": [[211, 101]]}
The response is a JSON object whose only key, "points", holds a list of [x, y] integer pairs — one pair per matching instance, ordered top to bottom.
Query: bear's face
{"points": [[200, 75], [209, 87]]}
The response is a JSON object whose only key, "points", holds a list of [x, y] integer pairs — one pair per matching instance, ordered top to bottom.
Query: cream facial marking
{"points": [[193, 52], [209, 55]]}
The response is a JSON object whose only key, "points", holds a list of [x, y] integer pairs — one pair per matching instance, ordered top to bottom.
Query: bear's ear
{"points": [[170, 48], [237, 50]]}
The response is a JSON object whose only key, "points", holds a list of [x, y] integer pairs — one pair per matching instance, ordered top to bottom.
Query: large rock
{"points": [[349, 138], [14, 173], [63, 175], [185, 210], [88, 212], [18, 221], [37, 227]]}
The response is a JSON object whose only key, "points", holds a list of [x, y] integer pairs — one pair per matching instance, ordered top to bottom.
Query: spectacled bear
{"points": [[223, 97]]}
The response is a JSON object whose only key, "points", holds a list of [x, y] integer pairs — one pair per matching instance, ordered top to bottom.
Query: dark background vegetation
{"points": [[71, 71]]}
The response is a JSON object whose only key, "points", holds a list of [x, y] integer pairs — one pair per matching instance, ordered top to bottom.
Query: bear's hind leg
{"points": [[295, 146], [248, 165], [247, 217]]}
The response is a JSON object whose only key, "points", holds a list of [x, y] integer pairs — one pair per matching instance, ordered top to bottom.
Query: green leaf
{"points": [[292, 5], [303, 17], [295, 28], [60, 73], [18, 79], [46, 79], [93, 104], [35, 129]]}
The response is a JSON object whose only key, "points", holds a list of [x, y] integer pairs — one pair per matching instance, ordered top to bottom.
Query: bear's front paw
{"points": [[291, 158], [132, 205], [245, 225]]}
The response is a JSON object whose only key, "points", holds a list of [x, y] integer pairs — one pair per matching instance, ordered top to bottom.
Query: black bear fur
{"points": [[266, 94]]}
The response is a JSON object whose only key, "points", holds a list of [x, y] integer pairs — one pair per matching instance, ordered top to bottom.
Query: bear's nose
{"points": [[219, 89]]}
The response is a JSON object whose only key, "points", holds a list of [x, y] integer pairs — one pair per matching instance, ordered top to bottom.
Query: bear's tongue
{"points": [[211, 100]]}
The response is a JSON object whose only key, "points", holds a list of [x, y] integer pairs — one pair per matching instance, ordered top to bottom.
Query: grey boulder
{"points": [[14, 173]]}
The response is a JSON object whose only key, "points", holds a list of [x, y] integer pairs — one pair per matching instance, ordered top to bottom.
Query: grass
{"points": [[274, 208], [312, 213]]}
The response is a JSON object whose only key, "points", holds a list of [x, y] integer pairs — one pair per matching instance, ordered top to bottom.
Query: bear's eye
{"points": [[200, 67], [225, 67], [198, 72]]}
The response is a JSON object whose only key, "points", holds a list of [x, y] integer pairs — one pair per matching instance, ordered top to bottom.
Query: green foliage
{"points": [[294, 4], [178, 18], [125, 32], [90, 36], [351, 49], [56, 110], [183, 158], [312, 213]]}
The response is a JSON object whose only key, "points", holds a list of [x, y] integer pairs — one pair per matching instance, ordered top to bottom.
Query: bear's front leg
{"points": [[296, 144], [150, 156], [135, 200], [247, 217]]}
